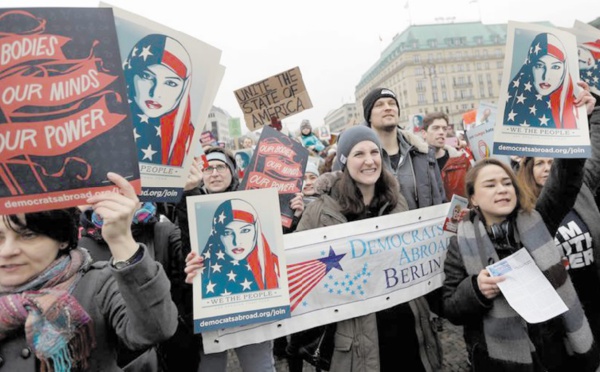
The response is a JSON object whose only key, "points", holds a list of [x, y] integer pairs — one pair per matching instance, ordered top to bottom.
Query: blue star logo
{"points": [[332, 261]]}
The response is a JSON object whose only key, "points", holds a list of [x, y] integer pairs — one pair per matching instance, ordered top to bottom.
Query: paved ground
{"points": [[455, 356]]}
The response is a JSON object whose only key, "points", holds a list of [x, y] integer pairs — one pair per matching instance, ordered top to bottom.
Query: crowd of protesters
{"points": [[125, 303]]}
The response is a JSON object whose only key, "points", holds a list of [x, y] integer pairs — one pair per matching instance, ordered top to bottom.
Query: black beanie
{"points": [[372, 97]]}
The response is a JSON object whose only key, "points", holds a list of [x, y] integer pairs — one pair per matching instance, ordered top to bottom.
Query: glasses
{"points": [[210, 169]]}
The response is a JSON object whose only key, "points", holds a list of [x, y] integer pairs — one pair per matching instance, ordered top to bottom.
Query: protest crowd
{"points": [[111, 283]]}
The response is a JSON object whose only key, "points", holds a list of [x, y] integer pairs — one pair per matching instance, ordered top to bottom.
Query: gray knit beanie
{"points": [[372, 97], [348, 139]]}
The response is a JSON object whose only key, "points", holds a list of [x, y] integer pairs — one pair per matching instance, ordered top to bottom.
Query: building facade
{"points": [[440, 67], [342, 118], [218, 123]]}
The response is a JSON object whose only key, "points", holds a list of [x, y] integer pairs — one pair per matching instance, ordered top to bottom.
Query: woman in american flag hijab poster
{"points": [[538, 98], [244, 278]]}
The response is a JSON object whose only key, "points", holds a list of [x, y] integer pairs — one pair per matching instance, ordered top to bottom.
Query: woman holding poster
{"points": [[158, 76], [541, 93], [363, 189], [501, 222], [578, 236], [59, 311]]}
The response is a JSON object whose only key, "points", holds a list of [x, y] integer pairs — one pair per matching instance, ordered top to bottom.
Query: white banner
{"points": [[349, 270]]}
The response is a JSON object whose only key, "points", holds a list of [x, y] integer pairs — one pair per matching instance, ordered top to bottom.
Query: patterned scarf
{"points": [[57, 328], [505, 331]]}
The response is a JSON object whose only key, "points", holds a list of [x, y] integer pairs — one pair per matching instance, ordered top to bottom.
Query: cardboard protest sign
{"points": [[172, 80], [278, 97], [486, 113], [537, 115], [64, 120], [416, 123], [235, 129], [324, 133], [207, 138], [481, 142], [242, 160], [278, 162], [456, 212], [345, 271], [244, 279]]}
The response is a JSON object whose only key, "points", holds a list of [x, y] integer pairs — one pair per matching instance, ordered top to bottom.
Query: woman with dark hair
{"points": [[364, 188], [501, 222], [578, 234], [60, 311]]}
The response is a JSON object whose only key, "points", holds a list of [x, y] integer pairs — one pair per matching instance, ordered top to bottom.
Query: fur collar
{"points": [[414, 140], [452, 151]]}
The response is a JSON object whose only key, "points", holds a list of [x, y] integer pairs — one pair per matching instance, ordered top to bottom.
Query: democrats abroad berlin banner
{"points": [[349, 270]]}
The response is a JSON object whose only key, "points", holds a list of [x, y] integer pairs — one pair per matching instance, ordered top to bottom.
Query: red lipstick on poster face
{"points": [[152, 104], [238, 250]]}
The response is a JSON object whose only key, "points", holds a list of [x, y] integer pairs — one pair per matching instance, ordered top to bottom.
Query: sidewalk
{"points": [[455, 355]]}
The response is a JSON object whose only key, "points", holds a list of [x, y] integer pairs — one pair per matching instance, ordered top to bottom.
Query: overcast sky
{"points": [[333, 42]]}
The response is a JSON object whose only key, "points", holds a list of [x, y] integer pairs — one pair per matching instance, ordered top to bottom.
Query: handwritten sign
{"points": [[278, 96]]}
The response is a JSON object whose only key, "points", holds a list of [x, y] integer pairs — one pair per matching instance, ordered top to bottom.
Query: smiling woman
{"points": [[502, 221]]}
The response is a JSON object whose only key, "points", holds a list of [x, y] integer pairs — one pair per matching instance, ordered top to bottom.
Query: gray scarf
{"points": [[505, 331]]}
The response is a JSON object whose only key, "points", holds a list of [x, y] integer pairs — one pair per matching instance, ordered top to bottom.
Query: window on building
{"points": [[478, 40], [476, 53], [485, 53], [498, 53], [417, 58], [499, 64], [478, 65], [441, 69], [419, 71], [434, 83], [443, 83], [420, 85], [435, 98], [421, 99]]}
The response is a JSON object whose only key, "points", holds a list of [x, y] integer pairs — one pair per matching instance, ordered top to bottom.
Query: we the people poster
{"points": [[588, 53], [172, 80], [537, 115], [64, 118], [244, 280]]}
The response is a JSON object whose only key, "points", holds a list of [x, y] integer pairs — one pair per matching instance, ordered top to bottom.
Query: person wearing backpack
{"points": [[453, 164]]}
